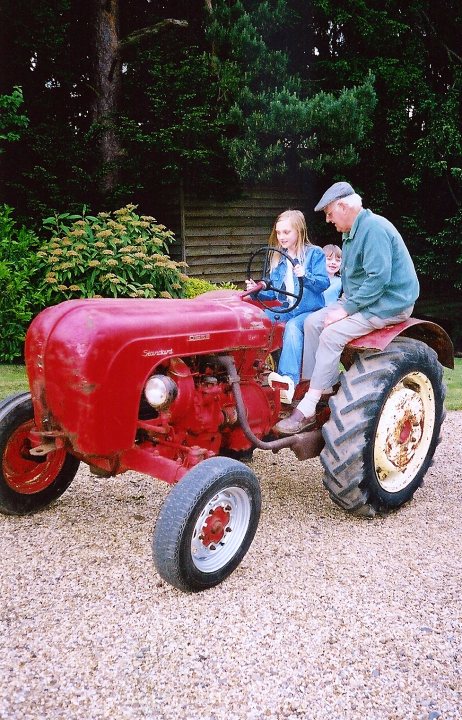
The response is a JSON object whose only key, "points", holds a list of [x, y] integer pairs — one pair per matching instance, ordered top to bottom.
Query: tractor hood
{"points": [[88, 360]]}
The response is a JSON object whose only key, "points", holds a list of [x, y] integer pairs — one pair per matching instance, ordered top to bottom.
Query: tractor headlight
{"points": [[160, 391]]}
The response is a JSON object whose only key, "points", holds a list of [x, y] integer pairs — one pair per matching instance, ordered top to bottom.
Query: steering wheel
{"points": [[267, 253]]}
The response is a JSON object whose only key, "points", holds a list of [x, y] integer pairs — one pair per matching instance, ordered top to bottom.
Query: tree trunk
{"points": [[108, 71]]}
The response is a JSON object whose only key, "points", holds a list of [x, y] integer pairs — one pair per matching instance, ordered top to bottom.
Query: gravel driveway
{"points": [[329, 617]]}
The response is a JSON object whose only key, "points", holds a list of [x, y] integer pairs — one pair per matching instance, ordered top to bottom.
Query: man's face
{"points": [[337, 214]]}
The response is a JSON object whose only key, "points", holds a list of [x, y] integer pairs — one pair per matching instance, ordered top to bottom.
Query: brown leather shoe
{"points": [[294, 424]]}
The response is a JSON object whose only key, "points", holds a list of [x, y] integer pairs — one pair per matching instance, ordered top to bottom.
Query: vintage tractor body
{"points": [[89, 361], [178, 389]]}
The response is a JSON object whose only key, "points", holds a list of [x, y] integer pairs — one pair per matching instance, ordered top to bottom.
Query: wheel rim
{"points": [[404, 432], [23, 473], [220, 529]]}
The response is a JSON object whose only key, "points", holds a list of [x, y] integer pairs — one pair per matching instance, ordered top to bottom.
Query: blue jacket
{"points": [[315, 281], [333, 292]]}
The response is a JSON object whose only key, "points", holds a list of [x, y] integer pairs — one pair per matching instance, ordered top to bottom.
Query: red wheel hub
{"points": [[406, 429], [24, 473], [215, 526]]}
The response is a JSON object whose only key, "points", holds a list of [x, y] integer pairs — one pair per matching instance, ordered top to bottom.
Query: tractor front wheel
{"points": [[384, 427], [28, 483], [206, 524]]}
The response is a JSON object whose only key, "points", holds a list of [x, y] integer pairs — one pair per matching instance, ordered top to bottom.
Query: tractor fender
{"points": [[426, 331]]}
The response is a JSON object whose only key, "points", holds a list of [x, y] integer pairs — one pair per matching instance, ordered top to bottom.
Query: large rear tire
{"points": [[384, 427], [28, 483], [206, 524]]}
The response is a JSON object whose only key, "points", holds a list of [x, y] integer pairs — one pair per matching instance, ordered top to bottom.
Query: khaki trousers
{"points": [[323, 346]]}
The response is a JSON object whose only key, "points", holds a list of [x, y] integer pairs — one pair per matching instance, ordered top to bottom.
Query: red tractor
{"points": [[178, 389]]}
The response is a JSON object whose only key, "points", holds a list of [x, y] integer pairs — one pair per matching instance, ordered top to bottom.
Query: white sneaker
{"points": [[284, 384]]}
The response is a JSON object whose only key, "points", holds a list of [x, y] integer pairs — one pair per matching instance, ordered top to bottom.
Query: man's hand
{"points": [[337, 313]]}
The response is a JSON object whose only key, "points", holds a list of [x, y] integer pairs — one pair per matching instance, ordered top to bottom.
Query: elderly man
{"points": [[380, 288]]}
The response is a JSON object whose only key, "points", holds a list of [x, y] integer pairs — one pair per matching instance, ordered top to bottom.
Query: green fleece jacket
{"points": [[378, 275]]}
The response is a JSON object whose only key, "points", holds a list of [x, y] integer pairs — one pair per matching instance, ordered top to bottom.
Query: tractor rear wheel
{"points": [[384, 427], [28, 483], [206, 524]]}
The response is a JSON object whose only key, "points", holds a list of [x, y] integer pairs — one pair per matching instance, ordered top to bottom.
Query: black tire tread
{"points": [[354, 414], [14, 503], [178, 508]]}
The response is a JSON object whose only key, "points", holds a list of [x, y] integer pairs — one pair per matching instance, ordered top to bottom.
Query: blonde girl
{"points": [[289, 234]]}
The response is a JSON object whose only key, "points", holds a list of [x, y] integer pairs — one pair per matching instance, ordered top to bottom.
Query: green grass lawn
{"points": [[13, 379], [453, 379]]}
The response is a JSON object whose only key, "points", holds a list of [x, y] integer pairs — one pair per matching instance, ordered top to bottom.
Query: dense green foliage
{"points": [[242, 91], [210, 105], [12, 122], [168, 124], [274, 125], [412, 170], [118, 254], [19, 270], [197, 286]]}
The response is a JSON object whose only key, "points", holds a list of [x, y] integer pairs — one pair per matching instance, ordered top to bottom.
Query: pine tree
{"points": [[275, 122], [413, 167]]}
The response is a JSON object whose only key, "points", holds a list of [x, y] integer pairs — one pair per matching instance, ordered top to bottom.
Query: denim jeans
{"points": [[290, 361]]}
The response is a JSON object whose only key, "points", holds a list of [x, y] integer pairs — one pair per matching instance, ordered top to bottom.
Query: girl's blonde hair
{"points": [[297, 220]]}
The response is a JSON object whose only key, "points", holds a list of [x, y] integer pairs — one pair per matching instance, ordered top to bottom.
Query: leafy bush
{"points": [[12, 123], [118, 254], [196, 286], [19, 299]]}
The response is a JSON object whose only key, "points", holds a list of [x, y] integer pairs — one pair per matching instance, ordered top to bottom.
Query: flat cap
{"points": [[335, 192]]}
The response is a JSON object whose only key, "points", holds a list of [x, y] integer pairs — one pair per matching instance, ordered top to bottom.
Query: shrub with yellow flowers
{"points": [[111, 254]]}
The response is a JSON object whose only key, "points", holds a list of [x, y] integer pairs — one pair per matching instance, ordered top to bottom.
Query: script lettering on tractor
{"points": [[157, 353]]}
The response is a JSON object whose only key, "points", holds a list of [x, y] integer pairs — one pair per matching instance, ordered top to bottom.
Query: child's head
{"points": [[296, 220], [333, 258]]}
